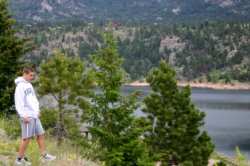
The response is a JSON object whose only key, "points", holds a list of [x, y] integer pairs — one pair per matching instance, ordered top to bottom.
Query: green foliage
{"points": [[212, 48], [12, 49], [142, 53], [242, 72], [214, 76], [68, 81], [48, 118], [112, 122], [11, 125], [72, 129], [175, 132], [240, 158], [221, 164]]}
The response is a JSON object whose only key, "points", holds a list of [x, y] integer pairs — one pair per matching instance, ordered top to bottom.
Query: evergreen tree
{"points": [[12, 48], [67, 80], [113, 123], [175, 134]]}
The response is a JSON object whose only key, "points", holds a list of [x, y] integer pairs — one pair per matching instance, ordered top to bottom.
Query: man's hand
{"points": [[26, 119]]}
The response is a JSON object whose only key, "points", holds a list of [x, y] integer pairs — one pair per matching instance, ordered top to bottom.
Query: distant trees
{"points": [[214, 46], [206, 47], [144, 50]]}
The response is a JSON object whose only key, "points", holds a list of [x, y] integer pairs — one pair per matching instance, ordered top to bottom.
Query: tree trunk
{"points": [[60, 122]]}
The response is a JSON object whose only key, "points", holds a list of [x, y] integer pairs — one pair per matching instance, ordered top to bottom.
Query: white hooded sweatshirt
{"points": [[26, 102]]}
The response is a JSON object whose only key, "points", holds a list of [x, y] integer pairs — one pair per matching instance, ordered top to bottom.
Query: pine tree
{"points": [[12, 48], [69, 82], [112, 119], [175, 134]]}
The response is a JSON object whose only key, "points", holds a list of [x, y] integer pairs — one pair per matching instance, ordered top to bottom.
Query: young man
{"points": [[27, 106]]}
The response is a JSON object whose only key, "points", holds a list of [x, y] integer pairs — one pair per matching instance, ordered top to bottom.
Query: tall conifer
{"points": [[176, 133]]}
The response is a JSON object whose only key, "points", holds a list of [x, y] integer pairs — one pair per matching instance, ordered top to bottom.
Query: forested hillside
{"points": [[210, 51]]}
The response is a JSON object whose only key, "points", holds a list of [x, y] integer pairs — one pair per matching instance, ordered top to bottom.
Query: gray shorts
{"points": [[32, 128]]}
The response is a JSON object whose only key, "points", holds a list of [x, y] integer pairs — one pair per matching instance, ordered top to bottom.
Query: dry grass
{"points": [[67, 155]]}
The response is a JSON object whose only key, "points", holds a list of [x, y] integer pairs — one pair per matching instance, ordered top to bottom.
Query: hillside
{"points": [[130, 11], [205, 52]]}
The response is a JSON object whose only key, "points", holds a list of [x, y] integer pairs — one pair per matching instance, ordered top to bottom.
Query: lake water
{"points": [[227, 116]]}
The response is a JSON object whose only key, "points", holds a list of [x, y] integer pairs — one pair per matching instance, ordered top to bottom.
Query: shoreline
{"points": [[208, 85]]}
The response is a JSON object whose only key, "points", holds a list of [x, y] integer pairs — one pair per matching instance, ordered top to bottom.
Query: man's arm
{"points": [[19, 101]]}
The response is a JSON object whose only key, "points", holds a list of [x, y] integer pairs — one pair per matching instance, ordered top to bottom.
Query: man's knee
{"points": [[40, 136], [26, 139]]}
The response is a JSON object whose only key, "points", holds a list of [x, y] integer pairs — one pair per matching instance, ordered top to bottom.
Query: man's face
{"points": [[29, 76]]}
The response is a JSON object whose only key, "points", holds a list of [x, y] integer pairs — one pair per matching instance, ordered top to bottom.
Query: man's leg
{"points": [[26, 127], [40, 138], [41, 144], [22, 148], [45, 156], [21, 159]]}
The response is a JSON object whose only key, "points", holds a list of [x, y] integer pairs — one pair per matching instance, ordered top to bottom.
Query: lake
{"points": [[227, 116]]}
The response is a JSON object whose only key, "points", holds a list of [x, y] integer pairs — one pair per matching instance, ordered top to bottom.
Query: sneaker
{"points": [[47, 157], [22, 161]]}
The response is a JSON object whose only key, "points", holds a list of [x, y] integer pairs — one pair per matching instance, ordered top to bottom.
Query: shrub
{"points": [[49, 118], [12, 126]]}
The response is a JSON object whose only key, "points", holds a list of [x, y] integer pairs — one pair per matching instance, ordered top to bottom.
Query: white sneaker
{"points": [[48, 157], [23, 161]]}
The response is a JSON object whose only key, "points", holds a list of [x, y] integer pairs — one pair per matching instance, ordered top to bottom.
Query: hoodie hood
{"points": [[19, 80]]}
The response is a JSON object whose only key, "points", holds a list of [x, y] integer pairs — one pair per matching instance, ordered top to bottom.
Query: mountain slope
{"points": [[130, 10], [213, 51]]}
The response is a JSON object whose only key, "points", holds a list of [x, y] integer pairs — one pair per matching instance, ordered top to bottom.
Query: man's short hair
{"points": [[28, 69]]}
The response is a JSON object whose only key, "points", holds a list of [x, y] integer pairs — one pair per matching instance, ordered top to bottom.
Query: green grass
{"points": [[66, 153], [238, 160]]}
